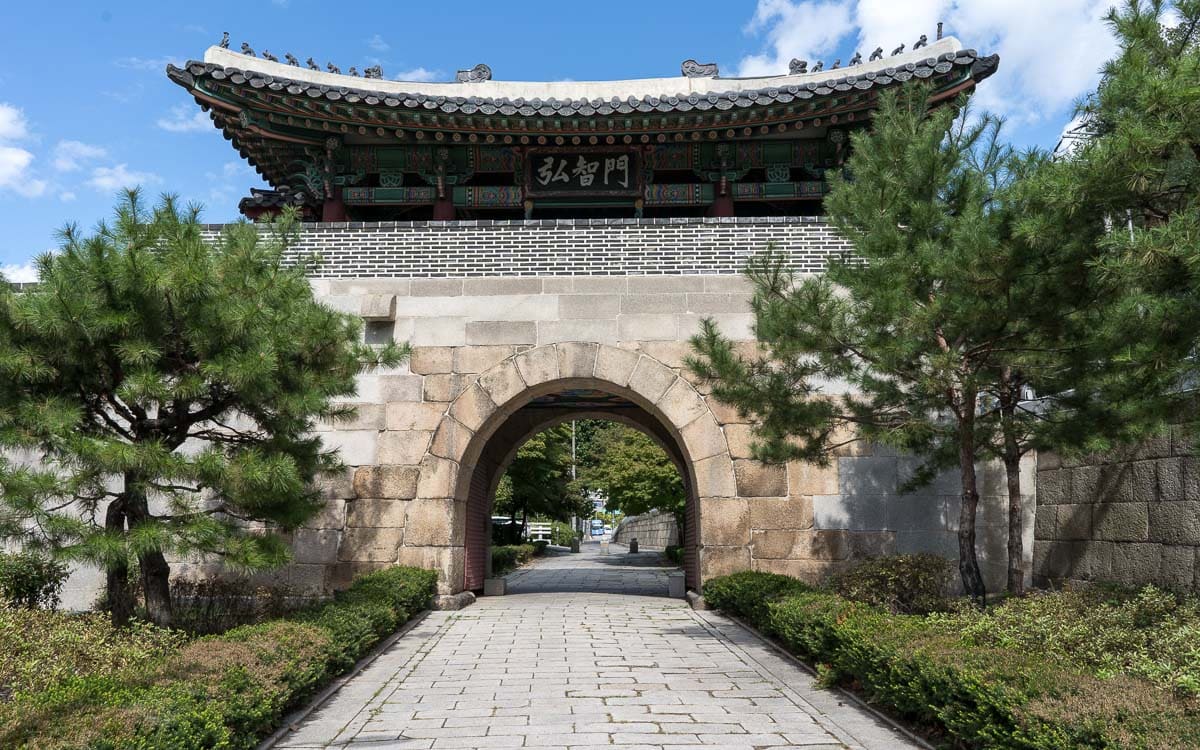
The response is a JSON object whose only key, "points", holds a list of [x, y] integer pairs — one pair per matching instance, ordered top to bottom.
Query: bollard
{"points": [[575, 544], [633, 545], [604, 547], [676, 585]]}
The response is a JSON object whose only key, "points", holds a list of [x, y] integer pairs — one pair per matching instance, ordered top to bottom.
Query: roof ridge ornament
{"points": [[224, 40], [922, 42], [247, 49], [898, 50], [876, 55], [268, 56], [291, 59], [857, 59], [312, 64], [797, 67], [693, 69], [375, 71], [480, 72]]}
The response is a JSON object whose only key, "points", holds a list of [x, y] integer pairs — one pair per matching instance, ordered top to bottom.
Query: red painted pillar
{"points": [[722, 205], [333, 209], [443, 209]]}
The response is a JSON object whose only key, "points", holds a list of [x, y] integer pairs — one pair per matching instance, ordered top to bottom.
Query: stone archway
{"points": [[482, 427]]}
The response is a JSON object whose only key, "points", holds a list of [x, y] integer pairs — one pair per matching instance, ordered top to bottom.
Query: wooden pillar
{"points": [[722, 205], [333, 209], [443, 209]]}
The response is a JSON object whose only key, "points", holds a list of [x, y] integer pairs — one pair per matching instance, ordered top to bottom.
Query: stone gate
{"points": [[508, 341]]}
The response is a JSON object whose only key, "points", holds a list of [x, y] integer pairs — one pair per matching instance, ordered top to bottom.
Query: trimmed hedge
{"points": [[509, 556], [925, 670], [225, 691]]}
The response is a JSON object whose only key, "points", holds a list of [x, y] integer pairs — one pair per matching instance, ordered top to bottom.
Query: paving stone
{"points": [[585, 650]]}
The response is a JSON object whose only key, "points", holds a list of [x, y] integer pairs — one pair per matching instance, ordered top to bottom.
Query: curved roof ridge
{"points": [[637, 88]]}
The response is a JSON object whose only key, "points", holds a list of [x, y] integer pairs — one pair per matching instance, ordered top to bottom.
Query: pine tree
{"points": [[1136, 171], [163, 391]]}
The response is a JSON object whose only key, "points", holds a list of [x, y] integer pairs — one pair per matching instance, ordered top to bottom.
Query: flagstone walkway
{"points": [[582, 653]]}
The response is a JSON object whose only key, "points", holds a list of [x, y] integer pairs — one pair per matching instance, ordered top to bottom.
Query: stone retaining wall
{"points": [[1130, 517], [655, 530]]}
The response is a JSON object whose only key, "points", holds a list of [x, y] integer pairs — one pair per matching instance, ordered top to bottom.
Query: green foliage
{"points": [[1137, 169], [144, 337], [632, 471], [536, 482], [561, 534], [674, 553], [511, 556], [30, 580], [901, 584], [747, 594], [1148, 633], [43, 648], [224, 691], [967, 691]]}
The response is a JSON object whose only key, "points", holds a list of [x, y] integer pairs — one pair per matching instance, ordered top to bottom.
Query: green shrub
{"points": [[561, 534], [539, 547], [674, 553], [510, 556], [30, 580], [903, 584], [748, 593], [1147, 633], [42, 648], [223, 691], [967, 693]]}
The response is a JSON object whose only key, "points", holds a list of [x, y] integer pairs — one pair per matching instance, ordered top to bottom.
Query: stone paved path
{"points": [[568, 659]]}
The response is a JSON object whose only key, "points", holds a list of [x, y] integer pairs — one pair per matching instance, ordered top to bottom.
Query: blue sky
{"points": [[86, 108]]}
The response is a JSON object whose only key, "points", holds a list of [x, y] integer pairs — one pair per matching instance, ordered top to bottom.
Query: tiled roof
{"points": [[371, 92]]}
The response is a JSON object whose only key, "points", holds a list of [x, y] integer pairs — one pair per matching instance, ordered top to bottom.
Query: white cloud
{"points": [[803, 29], [378, 44], [1050, 52], [155, 64], [418, 75], [185, 119], [12, 123], [70, 155], [16, 173], [111, 179], [66, 196], [19, 272]]}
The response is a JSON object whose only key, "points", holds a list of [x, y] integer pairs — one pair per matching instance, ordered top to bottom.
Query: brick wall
{"points": [[567, 247], [1131, 516]]}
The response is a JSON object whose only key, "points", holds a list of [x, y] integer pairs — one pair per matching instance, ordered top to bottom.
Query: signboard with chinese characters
{"points": [[583, 172]]}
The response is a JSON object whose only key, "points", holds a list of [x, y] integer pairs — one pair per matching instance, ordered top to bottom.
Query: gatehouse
{"points": [[548, 249]]}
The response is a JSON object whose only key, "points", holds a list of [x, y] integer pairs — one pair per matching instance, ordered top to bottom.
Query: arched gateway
{"points": [[548, 249], [548, 384]]}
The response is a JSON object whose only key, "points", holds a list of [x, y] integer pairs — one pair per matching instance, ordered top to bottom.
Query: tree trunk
{"points": [[1012, 471], [968, 561], [1016, 569], [156, 573], [156, 583], [118, 593]]}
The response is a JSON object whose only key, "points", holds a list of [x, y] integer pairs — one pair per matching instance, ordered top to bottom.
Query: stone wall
{"points": [[564, 247], [502, 312], [1131, 517], [655, 530]]}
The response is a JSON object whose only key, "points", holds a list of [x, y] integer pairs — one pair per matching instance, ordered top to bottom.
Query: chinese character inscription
{"points": [[583, 172]]}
